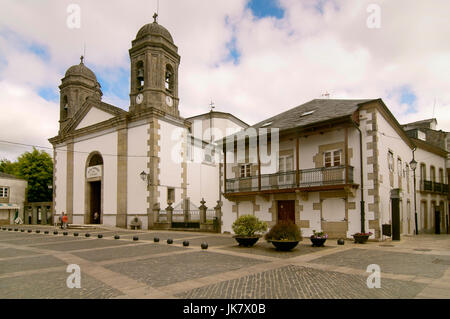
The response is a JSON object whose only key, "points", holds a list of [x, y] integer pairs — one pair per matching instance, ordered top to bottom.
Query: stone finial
{"points": [[155, 16], [81, 59], [202, 206]]}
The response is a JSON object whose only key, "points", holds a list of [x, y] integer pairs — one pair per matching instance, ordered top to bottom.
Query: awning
{"points": [[9, 206]]}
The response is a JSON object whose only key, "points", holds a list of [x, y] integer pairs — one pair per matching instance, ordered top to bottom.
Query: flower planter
{"points": [[360, 239], [246, 241], [317, 242], [284, 245]]}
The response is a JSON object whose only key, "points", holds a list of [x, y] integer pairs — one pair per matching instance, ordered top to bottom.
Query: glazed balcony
{"points": [[301, 180]]}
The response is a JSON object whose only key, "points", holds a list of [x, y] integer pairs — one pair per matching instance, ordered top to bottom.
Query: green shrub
{"points": [[248, 225], [284, 230]]}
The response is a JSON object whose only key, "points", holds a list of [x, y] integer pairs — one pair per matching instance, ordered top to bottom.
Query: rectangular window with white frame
{"points": [[332, 158], [391, 161], [246, 170], [4, 192]]}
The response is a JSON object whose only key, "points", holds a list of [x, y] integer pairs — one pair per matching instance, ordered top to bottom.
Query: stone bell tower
{"points": [[154, 70], [78, 84]]}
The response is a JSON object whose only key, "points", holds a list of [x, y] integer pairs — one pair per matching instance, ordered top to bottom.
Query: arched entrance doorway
{"points": [[94, 189]]}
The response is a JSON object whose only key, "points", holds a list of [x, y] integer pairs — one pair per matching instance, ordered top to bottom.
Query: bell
{"points": [[140, 75]]}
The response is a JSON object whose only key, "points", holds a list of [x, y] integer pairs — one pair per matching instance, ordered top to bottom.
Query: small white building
{"points": [[12, 198]]}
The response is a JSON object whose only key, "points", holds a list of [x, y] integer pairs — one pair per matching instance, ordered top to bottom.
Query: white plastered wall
{"points": [[94, 116], [106, 145], [137, 162]]}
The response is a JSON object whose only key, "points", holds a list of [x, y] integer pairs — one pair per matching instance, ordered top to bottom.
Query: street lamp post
{"points": [[413, 165]]}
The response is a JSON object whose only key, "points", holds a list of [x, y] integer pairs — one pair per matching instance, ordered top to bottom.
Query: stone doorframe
{"points": [[87, 190]]}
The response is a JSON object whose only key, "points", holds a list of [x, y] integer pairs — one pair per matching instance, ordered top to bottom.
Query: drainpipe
{"points": [[363, 214]]}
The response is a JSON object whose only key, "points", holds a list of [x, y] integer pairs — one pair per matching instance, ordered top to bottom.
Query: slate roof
{"points": [[322, 110], [4, 175]]}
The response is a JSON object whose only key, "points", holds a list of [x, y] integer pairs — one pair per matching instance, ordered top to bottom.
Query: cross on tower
{"points": [[154, 17], [81, 59]]}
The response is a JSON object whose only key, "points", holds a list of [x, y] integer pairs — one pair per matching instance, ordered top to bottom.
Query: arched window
{"points": [[169, 78], [96, 159]]}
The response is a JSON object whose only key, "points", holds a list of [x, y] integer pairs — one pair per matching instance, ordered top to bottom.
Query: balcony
{"points": [[307, 180], [433, 187]]}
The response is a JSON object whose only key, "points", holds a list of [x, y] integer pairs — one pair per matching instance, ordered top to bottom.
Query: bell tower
{"points": [[154, 70], [78, 84]]}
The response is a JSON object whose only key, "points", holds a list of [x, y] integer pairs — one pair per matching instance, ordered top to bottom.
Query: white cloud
{"points": [[282, 63]]}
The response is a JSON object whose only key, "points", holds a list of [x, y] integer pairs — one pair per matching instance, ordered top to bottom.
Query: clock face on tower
{"points": [[139, 98], [169, 101]]}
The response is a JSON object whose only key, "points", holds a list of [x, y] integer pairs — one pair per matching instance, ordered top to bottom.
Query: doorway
{"points": [[95, 202], [286, 210], [437, 220]]}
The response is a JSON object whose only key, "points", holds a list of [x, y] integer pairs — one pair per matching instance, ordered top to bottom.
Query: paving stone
{"points": [[82, 244], [12, 252], [124, 252], [389, 262], [29, 263], [166, 270], [297, 282], [53, 285]]}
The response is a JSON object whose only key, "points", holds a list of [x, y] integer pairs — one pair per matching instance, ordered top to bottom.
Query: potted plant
{"points": [[248, 229], [285, 235], [361, 237], [318, 238]]}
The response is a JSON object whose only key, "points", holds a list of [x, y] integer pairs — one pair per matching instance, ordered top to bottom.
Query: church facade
{"points": [[111, 165]]}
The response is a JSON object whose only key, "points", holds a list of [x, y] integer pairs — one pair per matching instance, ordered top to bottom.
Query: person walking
{"points": [[60, 220], [64, 221]]}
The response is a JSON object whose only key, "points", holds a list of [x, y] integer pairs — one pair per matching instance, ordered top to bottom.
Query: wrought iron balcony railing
{"points": [[325, 176], [434, 187]]}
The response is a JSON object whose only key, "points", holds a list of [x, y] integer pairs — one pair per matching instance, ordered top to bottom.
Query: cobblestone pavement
{"points": [[34, 265], [294, 282]]}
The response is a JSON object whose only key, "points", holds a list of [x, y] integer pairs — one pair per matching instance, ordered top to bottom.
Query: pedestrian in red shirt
{"points": [[64, 221]]}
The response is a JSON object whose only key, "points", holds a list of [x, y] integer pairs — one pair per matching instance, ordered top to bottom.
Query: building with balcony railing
{"points": [[329, 165]]}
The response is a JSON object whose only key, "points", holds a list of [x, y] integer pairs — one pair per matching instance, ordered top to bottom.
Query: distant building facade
{"points": [[12, 198]]}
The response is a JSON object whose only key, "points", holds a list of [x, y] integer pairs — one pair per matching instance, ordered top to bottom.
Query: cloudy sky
{"points": [[253, 58]]}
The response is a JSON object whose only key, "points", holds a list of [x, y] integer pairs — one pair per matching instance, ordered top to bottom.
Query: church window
{"points": [[169, 78], [96, 159], [170, 195]]}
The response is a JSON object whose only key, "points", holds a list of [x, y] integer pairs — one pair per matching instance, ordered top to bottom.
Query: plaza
{"points": [[34, 265]]}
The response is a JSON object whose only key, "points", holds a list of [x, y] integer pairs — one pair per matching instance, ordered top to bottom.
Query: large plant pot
{"points": [[360, 239], [246, 241], [317, 242], [284, 245]]}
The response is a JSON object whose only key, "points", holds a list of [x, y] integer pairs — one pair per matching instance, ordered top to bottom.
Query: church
{"points": [[112, 166], [338, 166]]}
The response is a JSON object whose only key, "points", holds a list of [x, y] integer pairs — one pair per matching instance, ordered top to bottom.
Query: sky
{"points": [[252, 58]]}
